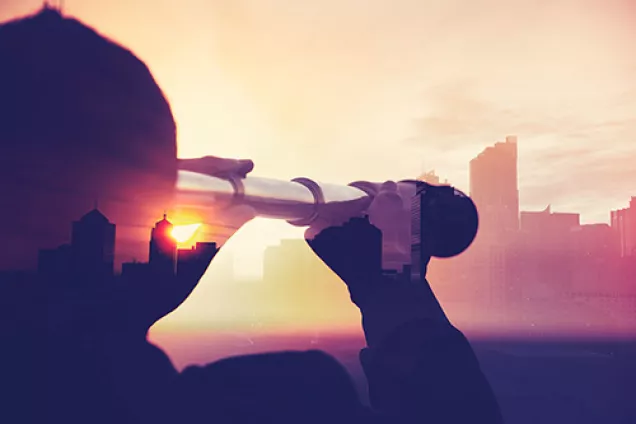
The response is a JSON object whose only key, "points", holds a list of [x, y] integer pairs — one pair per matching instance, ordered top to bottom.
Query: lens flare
{"points": [[183, 233]]}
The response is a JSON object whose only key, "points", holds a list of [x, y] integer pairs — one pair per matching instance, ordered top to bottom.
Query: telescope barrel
{"points": [[299, 201], [445, 223]]}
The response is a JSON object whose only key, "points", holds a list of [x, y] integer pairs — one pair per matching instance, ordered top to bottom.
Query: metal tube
{"points": [[299, 201], [448, 216]]}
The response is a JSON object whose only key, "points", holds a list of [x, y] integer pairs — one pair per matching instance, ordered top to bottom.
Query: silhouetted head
{"points": [[82, 121], [287, 387]]}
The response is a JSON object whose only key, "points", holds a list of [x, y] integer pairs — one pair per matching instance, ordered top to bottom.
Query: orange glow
{"points": [[184, 233]]}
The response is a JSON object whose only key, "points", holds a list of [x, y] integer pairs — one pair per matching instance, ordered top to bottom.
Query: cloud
{"points": [[579, 159]]}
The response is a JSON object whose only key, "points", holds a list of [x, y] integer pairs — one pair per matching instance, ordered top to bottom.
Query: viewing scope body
{"points": [[441, 219]]}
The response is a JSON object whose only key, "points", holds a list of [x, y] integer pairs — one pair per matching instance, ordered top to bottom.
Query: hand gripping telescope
{"points": [[439, 217]]}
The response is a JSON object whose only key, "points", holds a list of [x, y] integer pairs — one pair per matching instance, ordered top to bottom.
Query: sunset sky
{"points": [[343, 90]]}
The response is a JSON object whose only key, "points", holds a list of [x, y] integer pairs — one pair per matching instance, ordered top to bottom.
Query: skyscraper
{"points": [[494, 189], [624, 226], [93, 246], [163, 247]]}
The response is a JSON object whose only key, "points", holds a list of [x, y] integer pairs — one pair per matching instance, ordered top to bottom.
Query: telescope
{"points": [[441, 219]]}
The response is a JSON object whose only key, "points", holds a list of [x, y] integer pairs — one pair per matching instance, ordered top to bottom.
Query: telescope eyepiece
{"points": [[449, 220]]}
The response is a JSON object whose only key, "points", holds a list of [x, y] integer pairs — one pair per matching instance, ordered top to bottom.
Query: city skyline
{"points": [[570, 99], [572, 125], [493, 175], [92, 248], [551, 256]]}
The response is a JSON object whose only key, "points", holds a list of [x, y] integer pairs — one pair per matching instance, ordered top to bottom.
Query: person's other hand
{"points": [[217, 167], [351, 251], [149, 299], [146, 300]]}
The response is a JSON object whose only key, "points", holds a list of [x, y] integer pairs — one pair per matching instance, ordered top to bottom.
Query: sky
{"points": [[344, 90]]}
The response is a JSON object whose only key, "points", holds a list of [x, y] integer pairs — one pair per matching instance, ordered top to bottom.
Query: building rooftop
{"points": [[94, 216]]}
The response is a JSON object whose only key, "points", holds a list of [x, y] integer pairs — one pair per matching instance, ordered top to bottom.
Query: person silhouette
{"points": [[83, 119], [84, 122], [419, 367]]}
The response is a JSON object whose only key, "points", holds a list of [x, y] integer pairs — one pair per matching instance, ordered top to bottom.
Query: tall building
{"points": [[494, 189], [624, 226], [93, 246], [163, 247], [88, 259]]}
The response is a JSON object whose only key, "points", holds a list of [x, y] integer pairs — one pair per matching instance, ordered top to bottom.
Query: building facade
{"points": [[494, 189], [624, 226], [93, 246], [163, 248]]}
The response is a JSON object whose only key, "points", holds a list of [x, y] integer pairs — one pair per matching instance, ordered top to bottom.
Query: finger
{"points": [[216, 166], [320, 225], [313, 231], [322, 239]]}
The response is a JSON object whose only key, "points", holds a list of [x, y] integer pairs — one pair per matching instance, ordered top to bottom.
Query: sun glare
{"points": [[183, 233]]}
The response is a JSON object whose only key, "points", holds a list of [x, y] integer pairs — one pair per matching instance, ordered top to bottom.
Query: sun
{"points": [[184, 233]]}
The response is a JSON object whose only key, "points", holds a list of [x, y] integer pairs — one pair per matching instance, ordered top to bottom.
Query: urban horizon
{"points": [[432, 178]]}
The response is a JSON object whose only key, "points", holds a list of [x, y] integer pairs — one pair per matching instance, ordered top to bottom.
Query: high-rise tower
{"points": [[494, 188], [624, 226], [93, 246], [163, 247]]}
